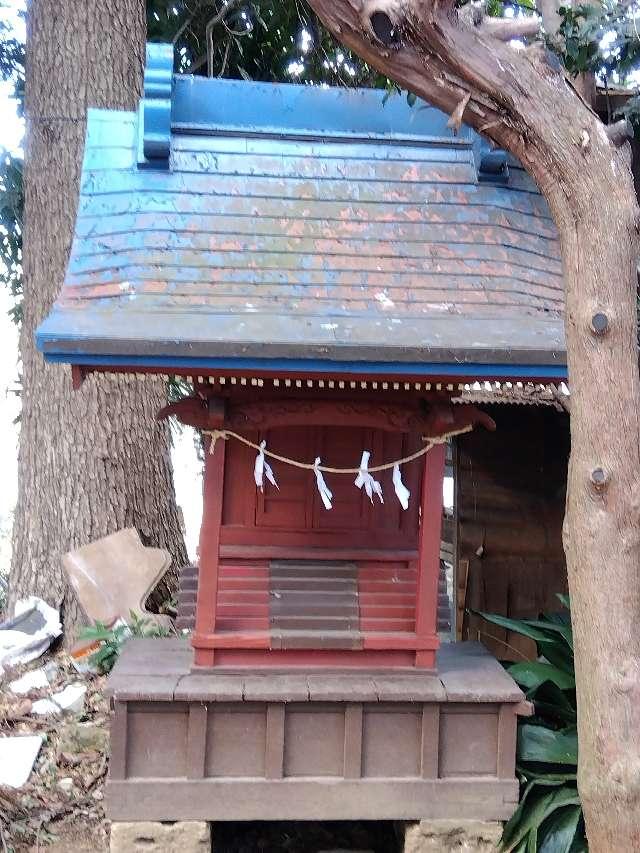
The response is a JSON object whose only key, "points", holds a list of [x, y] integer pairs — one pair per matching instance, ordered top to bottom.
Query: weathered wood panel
{"points": [[510, 492], [288, 745]]}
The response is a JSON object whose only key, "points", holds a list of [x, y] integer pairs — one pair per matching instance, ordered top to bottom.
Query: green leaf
{"points": [[564, 600], [520, 626], [546, 626], [559, 654], [533, 673], [554, 705], [539, 743], [547, 778], [530, 815], [560, 829]]}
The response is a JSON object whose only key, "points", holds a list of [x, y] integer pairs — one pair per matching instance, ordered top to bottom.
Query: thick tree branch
{"points": [[506, 29], [619, 132]]}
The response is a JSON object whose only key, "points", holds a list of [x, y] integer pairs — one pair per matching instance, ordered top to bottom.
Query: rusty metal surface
{"points": [[258, 246]]}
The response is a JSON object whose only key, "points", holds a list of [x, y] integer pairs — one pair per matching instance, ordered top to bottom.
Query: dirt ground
{"points": [[63, 796], [60, 809]]}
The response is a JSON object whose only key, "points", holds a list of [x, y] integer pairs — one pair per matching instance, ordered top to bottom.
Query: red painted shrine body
{"points": [[330, 273], [284, 581]]}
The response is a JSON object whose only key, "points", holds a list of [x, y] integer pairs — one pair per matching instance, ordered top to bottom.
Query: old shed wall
{"points": [[510, 494]]}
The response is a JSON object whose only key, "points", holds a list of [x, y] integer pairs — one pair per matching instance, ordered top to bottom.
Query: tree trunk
{"points": [[522, 101], [94, 460]]}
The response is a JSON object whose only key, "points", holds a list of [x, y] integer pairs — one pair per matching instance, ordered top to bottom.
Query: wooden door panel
{"points": [[294, 513]]}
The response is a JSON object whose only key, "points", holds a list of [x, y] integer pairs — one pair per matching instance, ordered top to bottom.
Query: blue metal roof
{"points": [[229, 223]]}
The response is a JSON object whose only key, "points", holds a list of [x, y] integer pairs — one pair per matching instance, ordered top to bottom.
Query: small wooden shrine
{"points": [[330, 271]]}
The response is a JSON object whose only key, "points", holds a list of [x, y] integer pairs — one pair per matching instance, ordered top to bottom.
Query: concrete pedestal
{"points": [[192, 836], [452, 836]]}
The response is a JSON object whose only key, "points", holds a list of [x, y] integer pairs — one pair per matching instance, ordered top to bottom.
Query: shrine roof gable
{"points": [[235, 222]]}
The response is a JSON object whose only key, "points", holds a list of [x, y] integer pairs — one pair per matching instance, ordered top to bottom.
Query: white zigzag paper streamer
{"points": [[262, 469], [365, 479], [401, 490], [325, 492]]}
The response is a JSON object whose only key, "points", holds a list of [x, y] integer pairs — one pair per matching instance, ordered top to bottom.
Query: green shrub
{"points": [[113, 639], [549, 816]]}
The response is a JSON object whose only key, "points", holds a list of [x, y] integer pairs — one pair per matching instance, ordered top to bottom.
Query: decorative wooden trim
{"points": [[78, 375], [355, 413], [431, 418], [429, 546], [209, 551], [286, 552], [462, 578], [235, 640], [262, 640], [413, 642], [266, 659], [507, 736], [118, 738], [196, 740], [353, 741], [430, 741], [274, 742], [301, 799]]}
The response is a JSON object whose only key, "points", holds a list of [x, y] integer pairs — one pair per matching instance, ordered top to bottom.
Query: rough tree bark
{"points": [[522, 101], [94, 460]]}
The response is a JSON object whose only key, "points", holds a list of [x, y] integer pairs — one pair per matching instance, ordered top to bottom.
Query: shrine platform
{"points": [[315, 745]]}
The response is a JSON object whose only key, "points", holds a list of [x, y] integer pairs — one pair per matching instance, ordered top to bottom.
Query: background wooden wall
{"points": [[510, 493]]}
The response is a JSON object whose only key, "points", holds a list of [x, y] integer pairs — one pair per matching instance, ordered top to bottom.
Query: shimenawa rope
{"points": [[226, 434]]}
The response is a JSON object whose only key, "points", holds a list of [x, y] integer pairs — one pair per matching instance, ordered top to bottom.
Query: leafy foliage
{"points": [[604, 39], [253, 40], [11, 192], [11, 210], [112, 639], [549, 816]]}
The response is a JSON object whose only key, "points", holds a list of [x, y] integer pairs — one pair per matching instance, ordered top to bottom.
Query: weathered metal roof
{"points": [[278, 225], [516, 393]]}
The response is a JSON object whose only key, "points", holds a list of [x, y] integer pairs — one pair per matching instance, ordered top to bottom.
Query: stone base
{"points": [[193, 836], [452, 836]]}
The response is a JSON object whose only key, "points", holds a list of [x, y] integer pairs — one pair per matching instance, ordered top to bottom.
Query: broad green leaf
{"points": [[563, 599], [559, 618], [520, 626], [564, 631], [559, 654], [534, 673], [554, 705], [547, 711], [539, 743], [547, 778], [532, 813], [528, 815], [518, 825], [559, 830]]}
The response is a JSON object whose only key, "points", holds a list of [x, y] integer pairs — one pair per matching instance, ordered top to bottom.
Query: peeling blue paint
{"points": [[318, 225]]}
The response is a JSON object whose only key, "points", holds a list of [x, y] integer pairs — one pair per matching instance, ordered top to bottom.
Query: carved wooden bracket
{"points": [[197, 412], [430, 419]]}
